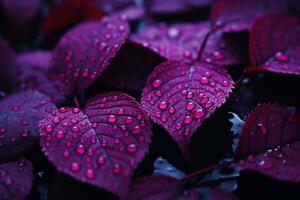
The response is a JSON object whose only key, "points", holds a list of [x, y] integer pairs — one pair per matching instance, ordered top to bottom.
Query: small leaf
{"points": [[239, 15], [275, 43], [85, 51], [32, 69], [180, 96], [19, 120], [271, 132], [101, 144], [16, 180], [161, 187]]}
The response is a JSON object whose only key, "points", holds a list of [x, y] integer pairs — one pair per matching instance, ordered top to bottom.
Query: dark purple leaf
{"points": [[175, 6], [239, 15], [184, 41], [275, 43], [85, 51], [33, 68], [180, 96], [19, 121], [271, 132], [101, 144], [16, 180], [161, 187], [219, 194]]}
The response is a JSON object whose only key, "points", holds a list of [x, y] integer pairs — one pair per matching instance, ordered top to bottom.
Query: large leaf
{"points": [[239, 15], [275, 43], [84, 52], [32, 67], [180, 96], [19, 121], [271, 139], [101, 144], [16, 180], [161, 187]]}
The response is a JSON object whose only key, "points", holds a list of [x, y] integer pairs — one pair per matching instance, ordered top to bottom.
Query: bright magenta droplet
{"points": [[281, 57], [204, 80], [156, 83], [163, 105], [190, 106], [199, 113], [112, 118], [188, 119], [48, 128], [75, 129], [136, 130], [59, 134], [131, 148], [80, 149], [101, 160], [75, 167], [116, 169], [90, 174]]}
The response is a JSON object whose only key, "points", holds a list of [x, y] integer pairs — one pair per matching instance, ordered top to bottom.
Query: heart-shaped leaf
{"points": [[68, 13], [238, 15], [184, 41], [275, 43], [84, 52], [32, 69], [180, 96], [19, 121], [273, 133], [101, 144], [16, 180], [161, 187]]}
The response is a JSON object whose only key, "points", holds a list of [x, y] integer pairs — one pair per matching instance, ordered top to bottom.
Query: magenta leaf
{"points": [[239, 15], [184, 41], [275, 43], [85, 51], [33, 68], [180, 96], [19, 121], [271, 139], [101, 144], [16, 179], [161, 187], [219, 194]]}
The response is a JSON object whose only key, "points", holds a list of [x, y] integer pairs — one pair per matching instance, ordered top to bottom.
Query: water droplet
{"points": [[173, 32], [187, 54], [218, 56], [281, 57], [204, 80], [156, 83], [225, 83], [158, 93], [189, 95], [163, 105], [190, 106], [62, 110], [76, 110], [172, 110], [121, 111], [199, 113], [112, 119], [188, 119], [55, 120], [128, 120], [24, 122], [94, 125], [178, 126], [48, 128], [262, 128], [2, 129], [75, 129], [136, 130], [25, 133], [59, 134], [131, 148], [80, 149], [66, 154], [101, 160], [266, 164], [75, 167], [116, 169], [90, 174]]}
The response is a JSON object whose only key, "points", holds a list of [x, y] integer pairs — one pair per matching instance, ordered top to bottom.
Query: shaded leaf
{"points": [[239, 15], [275, 43], [84, 52], [180, 96], [19, 119], [101, 144], [164, 168], [16, 180], [161, 187], [219, 194]]}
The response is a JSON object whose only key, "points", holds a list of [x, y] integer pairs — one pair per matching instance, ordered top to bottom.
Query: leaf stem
{"points": [[76, 102], [200, 172]]}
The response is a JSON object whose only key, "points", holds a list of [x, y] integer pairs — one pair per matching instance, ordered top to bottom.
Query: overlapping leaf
{"points": [[275, 43], [84, 52], [180, 96], [19, 119], [271, 139], [101, 144], [16, 179]]}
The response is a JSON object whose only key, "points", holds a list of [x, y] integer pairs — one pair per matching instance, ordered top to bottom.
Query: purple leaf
{"points": [[175, 6], [239, 15], [184, 41], [275, 43], [85, 51], [33, 68], [180, 96], [19, 120], [271, 132], [101, 144], [16, 180], [161, 187], [219, 194]]}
